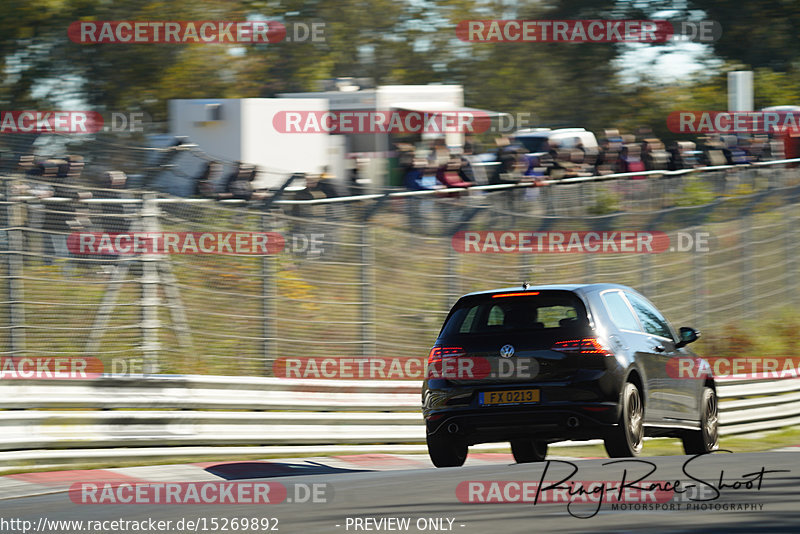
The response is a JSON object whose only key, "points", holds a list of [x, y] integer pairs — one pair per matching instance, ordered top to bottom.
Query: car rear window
{"points": [[486, 314]]}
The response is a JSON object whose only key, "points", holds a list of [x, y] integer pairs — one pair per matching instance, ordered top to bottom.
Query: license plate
{"points": [[510, 396]]}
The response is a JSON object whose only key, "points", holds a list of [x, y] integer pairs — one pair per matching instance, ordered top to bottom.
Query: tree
{"points": [[758, 33]]}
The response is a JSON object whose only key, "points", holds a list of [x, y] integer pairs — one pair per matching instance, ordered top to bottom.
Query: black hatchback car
{"points": [[536, 365]]}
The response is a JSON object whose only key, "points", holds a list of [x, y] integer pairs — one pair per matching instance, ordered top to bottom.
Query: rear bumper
{"points": [[586, 407], [542, 422]]}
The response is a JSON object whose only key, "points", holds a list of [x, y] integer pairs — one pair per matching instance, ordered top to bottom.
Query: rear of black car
{"points": [[524, 364]]}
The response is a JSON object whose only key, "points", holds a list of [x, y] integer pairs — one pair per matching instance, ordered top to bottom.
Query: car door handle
{"points": [[659, 348]]}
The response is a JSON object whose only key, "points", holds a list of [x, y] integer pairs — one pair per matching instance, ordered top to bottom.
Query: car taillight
{"points": [[587, 345], [437, 353]]}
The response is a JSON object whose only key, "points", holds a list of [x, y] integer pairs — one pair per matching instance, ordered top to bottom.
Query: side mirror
{"points": [[688, 335]]}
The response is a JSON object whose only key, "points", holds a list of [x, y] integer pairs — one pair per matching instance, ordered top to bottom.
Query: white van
{"points": [[537, 140]]}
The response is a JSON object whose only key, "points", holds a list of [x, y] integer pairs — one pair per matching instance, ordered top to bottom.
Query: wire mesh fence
{"points": [[372, 276]]}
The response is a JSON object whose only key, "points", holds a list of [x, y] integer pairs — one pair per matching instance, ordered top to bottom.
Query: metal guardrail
{"points": [[42, 417]]}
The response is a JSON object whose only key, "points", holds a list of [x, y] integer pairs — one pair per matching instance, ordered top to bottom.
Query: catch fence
{"points": [[373, 275]]}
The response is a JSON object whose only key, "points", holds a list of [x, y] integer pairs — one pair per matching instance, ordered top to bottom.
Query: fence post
{"points": [[547, 196], [791, 236], [16, 267], [588, 267], [699, 268], [525, 270], [644, 273], [453, 278], [150, 281], [748, 283], [367, 284], [269, 293]]}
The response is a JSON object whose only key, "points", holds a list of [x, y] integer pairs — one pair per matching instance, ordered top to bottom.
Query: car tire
{"points": [[707, 438], [625, 440], [446, 450], [528, 450]]}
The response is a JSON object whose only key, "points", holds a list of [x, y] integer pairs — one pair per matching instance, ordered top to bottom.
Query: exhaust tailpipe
{"points": [[572, 422]]}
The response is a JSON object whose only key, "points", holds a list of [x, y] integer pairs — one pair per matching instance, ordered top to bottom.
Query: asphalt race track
{"points": [[364, 499]]}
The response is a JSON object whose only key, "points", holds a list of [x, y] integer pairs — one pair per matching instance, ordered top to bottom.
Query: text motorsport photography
{"points": [[635, 488]]}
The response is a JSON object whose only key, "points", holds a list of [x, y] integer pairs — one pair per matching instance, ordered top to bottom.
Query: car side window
{"points": [[621, 314], [496, 316], [469, 320], [652, 321]]}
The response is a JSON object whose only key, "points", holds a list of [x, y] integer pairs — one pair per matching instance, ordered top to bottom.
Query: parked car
{"points": [[539, 140], [560, 153], [536, 365]]}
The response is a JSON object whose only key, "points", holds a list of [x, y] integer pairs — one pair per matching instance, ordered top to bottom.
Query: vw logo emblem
{"points": [[507, 351]]}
